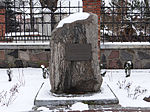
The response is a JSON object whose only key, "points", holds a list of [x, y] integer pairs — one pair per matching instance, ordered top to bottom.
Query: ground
{"points": [[131, 90], [19, 94], [24, 98]]}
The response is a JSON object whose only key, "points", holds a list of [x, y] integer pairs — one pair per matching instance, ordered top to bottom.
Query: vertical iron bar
{"points": [[78, 6], [69, 7], [60, 11], [141, 14], [14, 16], [6, 20], [103, 20], [42, 24], [113, 24], [23, 35]]}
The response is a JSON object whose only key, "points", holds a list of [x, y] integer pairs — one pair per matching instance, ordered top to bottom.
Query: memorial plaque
{"points": [[78, 52]]}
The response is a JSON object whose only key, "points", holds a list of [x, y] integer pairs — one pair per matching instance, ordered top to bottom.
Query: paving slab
{"points": [[45, 98]]}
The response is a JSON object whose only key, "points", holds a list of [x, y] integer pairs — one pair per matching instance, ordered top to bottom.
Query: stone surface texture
{"points": [[75, 76]]}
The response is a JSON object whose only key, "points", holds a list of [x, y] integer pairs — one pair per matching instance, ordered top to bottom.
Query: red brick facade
{"points": [[94, 7], [2, 23]]}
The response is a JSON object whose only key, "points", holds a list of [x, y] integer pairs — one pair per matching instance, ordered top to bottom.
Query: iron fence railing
{"points": [[121, 20], [23, 21], [125, 21]]}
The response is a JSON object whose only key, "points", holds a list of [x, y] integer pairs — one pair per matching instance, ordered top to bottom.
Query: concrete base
{"points": [[45, 98]]}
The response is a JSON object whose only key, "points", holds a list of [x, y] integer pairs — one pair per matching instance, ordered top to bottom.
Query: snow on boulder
{"points": [[73, 17]]}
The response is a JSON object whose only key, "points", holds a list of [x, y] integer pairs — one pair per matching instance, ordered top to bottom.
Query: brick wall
{"points": [[94, 7], [2, 25]]}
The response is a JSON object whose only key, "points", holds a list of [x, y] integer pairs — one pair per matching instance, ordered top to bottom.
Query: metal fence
{"points": [[26, 21], [125, 21]]}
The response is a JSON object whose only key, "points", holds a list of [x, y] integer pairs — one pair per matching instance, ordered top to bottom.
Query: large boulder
{"points": [[74, 66]]}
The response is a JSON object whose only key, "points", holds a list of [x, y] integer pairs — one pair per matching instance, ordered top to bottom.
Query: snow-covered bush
{"points": [[132, 91], [7, 97]]}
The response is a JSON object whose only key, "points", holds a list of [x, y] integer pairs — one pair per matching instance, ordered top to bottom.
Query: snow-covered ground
{"points": [[27, 81], [131, 90], [24, 98]]}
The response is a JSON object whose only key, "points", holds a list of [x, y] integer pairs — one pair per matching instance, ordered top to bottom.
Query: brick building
{"points": [[2, 20]]}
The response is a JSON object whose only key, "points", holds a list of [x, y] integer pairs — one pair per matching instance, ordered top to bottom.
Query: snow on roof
{"points": [[107, 2], [77, 4], [73, 17]]}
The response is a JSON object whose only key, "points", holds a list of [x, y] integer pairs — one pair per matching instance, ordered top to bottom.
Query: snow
{"points": [[107, 2], [77, 4], [72, 18], [22, 34], [31, 43], [127, 43], [124, 45], [32, 78], [137, 78], [26, 94], [79, 106]]}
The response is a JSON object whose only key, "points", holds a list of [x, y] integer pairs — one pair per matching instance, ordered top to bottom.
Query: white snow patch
{"points": [[107, 2], [75, 6], [73, 17], [22, 34], [138, 78], [33, 80], [25, 97], [79, 106], [43, 109]]}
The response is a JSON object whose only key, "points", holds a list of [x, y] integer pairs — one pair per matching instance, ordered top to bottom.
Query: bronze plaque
{"points": [[78, 52]]}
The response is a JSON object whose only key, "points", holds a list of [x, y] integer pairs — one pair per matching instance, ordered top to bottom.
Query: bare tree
{"points": [[51, 4]]}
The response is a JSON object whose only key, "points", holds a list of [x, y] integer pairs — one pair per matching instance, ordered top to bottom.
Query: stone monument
{"points": [[74, 67]]}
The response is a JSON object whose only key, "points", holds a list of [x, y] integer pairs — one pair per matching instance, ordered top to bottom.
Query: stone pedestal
{"points": [[74, 66]]}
